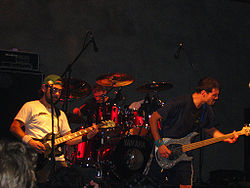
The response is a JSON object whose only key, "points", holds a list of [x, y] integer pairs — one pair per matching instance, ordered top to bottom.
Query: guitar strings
{"points": [[202, 143]]}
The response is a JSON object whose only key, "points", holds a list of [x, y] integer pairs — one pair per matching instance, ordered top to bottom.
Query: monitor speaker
{"points": [[16, 88]]}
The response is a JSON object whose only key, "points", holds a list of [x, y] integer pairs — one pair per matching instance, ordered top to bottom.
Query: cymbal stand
{"points": [[103, 105], [146, 105]]}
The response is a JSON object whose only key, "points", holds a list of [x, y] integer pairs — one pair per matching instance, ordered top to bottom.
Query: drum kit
{"points": [[122, 151]]}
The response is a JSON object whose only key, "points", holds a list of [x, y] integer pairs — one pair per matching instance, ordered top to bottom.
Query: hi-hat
{"points": [[114, 80], [154, 87], [77, 88]]}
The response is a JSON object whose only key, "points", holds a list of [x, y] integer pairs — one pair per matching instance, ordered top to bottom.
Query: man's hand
{"points": [[93, 131], [233, 139], [37, 145], [164, 151]]}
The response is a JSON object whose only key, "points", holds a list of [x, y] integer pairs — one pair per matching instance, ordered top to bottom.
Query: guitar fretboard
{"points": [[71, 136], [196, 145]]}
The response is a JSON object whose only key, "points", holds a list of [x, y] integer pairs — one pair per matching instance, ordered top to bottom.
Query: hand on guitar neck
{"points": [[94, 130], [234, 136]]}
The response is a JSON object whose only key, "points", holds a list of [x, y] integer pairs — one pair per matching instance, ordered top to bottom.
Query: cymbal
{"points": [[114, 80], [154, 86], [77, 88]]}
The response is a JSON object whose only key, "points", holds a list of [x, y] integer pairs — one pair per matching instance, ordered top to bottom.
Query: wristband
{"points": [[84, 138], [26, 139], [159, 142]]}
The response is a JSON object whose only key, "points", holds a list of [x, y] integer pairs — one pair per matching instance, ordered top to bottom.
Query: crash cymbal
{"points": [[114, 80], [154, 86], [77, 88]]}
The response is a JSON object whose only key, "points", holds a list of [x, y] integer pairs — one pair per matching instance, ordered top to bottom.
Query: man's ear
{"points": [[44, 88]]}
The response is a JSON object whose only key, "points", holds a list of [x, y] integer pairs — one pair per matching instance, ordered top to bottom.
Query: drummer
{"points": [[92, 109]]}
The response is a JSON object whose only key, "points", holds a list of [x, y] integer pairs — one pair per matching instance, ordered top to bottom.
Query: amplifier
{"points": [[18, 60]]}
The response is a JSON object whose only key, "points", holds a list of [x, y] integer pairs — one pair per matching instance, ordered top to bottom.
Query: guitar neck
{"points": [[104, 124], [71, 136], [196, 145]]}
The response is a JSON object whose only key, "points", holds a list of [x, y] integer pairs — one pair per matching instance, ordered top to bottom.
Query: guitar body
{"points": [[47, 142], [177, 155], [43, 159]]}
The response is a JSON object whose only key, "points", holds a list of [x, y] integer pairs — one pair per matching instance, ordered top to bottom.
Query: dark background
{"points": [[140, 38]]}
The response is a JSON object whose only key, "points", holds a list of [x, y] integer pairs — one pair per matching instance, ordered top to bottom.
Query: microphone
{"points": [[93, 41], [178, 51]]}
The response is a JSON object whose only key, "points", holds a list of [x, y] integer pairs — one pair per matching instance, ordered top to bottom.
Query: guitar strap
{"points": [[204, 106], [58, 113], [199, 119]]}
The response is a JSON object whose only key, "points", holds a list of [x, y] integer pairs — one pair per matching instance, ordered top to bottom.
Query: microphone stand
{"points": [[68, 71], [196, 73], [146, 104], [53, 163]]}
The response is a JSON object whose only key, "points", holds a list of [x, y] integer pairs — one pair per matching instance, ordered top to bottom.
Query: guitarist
{"points": [[35, 117], [180, 117]]}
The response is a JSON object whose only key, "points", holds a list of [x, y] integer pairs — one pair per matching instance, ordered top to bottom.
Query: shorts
{"points": [[180, 174]]}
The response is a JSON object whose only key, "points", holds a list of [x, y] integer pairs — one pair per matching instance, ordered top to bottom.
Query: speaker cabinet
{"points": [[16, 88], [247, 146]]}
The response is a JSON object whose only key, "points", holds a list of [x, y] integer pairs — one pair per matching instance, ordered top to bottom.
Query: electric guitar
{"points": [[59, 140], [179, 147]]}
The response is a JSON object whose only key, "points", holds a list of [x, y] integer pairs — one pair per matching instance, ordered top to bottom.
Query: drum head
{"points": [[131, 155]]}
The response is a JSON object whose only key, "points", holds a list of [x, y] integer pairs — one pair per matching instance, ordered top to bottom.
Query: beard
{"points": [[54, 100]]}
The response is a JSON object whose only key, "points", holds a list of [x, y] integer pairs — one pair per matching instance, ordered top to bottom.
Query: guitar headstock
{"points": [[107, 124], [246, 129]]}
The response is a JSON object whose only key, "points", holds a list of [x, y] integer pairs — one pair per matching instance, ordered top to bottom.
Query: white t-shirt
{"points": [[37, 120]]}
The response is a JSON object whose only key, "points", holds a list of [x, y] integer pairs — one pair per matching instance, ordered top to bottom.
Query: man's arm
{"points": [[153, 121], [16, 129], [216, 133]]}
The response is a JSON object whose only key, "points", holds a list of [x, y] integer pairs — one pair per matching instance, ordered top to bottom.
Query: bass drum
{"points": [[131, 155]]}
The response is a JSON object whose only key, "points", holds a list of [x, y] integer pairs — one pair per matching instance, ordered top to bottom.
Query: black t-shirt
{"points": [[181, 117]]}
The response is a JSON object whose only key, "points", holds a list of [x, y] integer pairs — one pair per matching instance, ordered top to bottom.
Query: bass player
{"points": [[179, 117]]}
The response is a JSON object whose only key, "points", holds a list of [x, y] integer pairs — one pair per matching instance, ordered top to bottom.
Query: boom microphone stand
{"points": [[68, 70], [196, 73], [53, 163]]}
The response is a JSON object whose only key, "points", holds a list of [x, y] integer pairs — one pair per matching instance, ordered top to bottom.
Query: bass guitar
{"points": [[179, 147]]}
